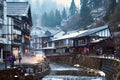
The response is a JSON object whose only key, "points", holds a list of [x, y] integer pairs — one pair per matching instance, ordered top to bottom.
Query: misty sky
{"points": [[60, 2], [65, 3], [46, 5], [40, 6]]}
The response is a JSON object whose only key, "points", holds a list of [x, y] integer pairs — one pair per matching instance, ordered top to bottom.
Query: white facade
{"points": [[14, 36], [2, 40]]}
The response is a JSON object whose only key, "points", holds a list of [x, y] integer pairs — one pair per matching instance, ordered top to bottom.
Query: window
{"points": [[82, 41], [50, 44]]}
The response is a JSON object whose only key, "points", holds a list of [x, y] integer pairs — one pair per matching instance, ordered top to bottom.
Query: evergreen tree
{"points": [[83, 1], [97, 3], [112, 6], [72, 8], [110, 10], [64, 15], [85, 15], [58, 17], [44, 19], [51, 19], [115, 19]]}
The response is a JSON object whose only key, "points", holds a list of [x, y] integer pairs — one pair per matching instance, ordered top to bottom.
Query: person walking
{"points": [[19, 58], [11, 60]]}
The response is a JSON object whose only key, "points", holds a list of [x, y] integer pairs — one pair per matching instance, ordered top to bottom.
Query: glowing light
{"points": [[93, 39], [33, 59], [77, 65], [26, 74], [16, 76]]}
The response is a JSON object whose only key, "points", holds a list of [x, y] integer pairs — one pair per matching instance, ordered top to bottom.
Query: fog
{"points": [[38, 7]]}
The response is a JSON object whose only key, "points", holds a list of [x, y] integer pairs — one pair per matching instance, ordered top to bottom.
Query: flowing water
{"points": [[66, 72], [52, 77]]}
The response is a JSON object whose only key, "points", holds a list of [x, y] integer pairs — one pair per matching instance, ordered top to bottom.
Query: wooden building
{"points": [[16, 28], [39, 40], [3, 41], [94, 41]]}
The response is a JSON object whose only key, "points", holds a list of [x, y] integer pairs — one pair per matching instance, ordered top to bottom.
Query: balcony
{"points": [[17, 24], [26, 30], [18, 39], [26, 42], [63, 45]]}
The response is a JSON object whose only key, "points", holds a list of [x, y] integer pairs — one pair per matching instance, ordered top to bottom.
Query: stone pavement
{"points": [[2, 66]]}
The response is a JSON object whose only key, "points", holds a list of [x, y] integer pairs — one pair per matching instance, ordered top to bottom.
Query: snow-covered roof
{"points": [[17, 8], [38, 31], [42, 31], [92, 31], [82, 33], [59, 34], [70, 35]]}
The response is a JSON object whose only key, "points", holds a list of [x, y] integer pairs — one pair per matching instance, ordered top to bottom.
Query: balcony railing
{"points": [[17, 24], [25, 30], [18, 39], [3, 40], [26, 42], [63, 45]]}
